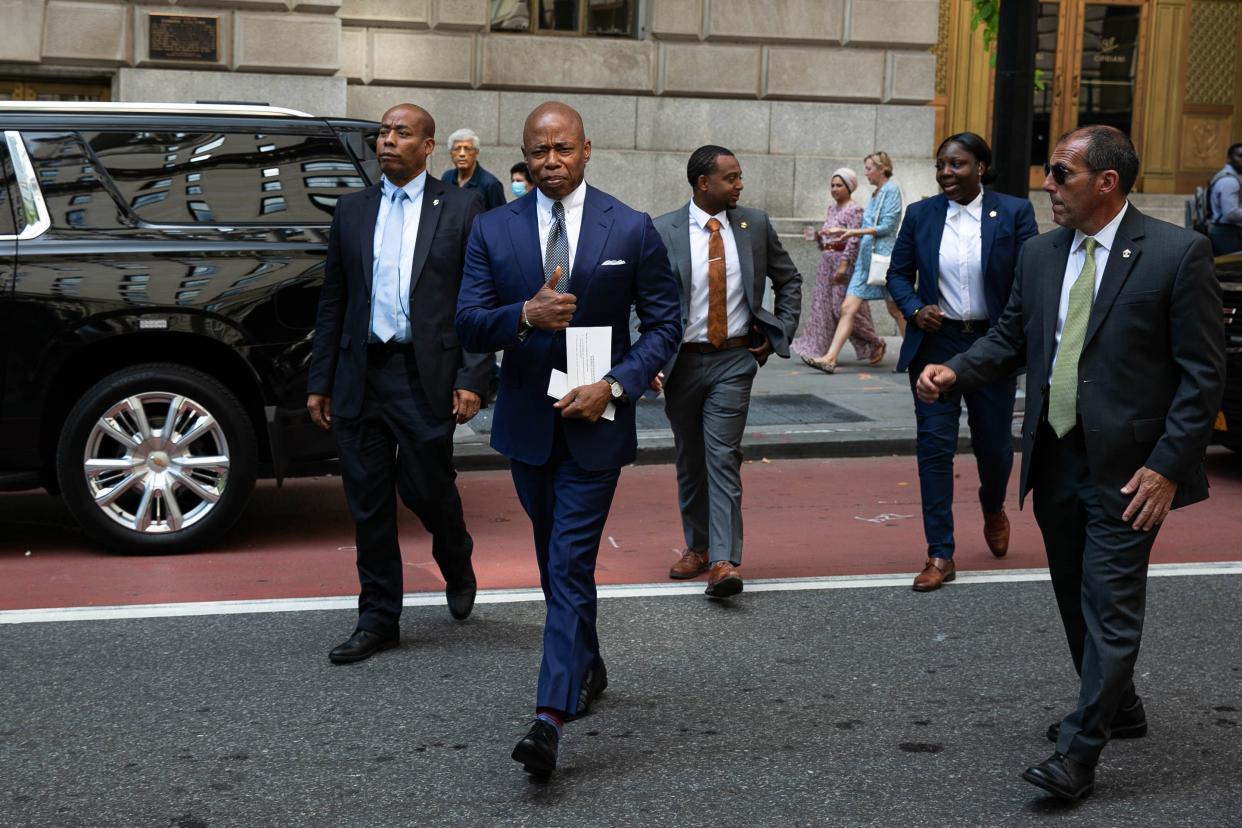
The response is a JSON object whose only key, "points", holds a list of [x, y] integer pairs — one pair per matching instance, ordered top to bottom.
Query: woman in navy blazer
{"points": [[951, 273]]}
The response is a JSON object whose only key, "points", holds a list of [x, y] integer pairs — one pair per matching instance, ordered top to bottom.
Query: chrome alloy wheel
{"points": [[156, 462]]}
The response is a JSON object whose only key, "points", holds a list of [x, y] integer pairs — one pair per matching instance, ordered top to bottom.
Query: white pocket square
{"points": [[613, 262]]}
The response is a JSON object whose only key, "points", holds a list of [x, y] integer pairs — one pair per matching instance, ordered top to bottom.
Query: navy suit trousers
{"points": [[990, 415], [567, 506]]}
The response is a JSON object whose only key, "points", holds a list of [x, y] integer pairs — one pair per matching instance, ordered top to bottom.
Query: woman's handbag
{"points": [[878, 275]]}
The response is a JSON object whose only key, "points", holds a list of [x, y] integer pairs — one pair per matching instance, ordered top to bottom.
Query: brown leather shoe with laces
{"points": [[996, 532], [692, 563], [935, 572], [723, 580]]}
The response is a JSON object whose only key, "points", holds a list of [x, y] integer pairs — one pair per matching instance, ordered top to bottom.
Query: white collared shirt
{"points": [[414, 188], [573, 220], [1077, 258], [961, 262], [736, 309]]}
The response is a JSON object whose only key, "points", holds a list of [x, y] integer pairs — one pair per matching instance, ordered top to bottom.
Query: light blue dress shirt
{"points": [[384, 300]]}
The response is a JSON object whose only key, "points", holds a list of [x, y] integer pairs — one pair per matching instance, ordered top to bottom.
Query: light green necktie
{"points": [[1063, 392]]}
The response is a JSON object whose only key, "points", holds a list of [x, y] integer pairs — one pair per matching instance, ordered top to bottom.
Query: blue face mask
{"points": [[518, 187]]}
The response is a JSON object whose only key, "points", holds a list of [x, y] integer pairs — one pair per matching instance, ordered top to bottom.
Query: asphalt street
{"points": [[831, 707]]}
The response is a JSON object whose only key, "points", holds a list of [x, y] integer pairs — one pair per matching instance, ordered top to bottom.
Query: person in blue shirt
{"points": [[466, 171]]}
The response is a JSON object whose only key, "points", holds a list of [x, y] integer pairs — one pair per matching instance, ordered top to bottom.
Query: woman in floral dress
{"points": [[836, 264]]}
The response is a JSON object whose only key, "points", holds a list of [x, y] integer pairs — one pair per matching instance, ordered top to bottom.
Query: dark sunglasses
{"points": [[1061, 173]]}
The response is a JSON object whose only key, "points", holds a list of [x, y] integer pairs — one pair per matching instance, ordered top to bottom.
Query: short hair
{"points": [[464, 134], [974, 144], [1108, 148], [1233, 148], [880, 159], [703, 162], [520, 167]]}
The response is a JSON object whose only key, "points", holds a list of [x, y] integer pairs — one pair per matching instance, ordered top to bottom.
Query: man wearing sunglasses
{"points": [[1117, 319]]}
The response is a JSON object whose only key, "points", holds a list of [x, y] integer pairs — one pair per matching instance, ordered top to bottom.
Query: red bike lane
{"points": [[803, 518]]}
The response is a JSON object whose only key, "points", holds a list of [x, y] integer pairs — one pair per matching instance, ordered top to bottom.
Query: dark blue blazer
{"points": [[620, 261], [914, 272]]}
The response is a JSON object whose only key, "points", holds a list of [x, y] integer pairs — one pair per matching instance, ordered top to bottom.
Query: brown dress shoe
{"points": [[996, 532], [692, 563], [935, 573], [723, 580]]}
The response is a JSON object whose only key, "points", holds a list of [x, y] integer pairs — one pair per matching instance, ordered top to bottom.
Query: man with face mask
{"points": [[520, 183]]}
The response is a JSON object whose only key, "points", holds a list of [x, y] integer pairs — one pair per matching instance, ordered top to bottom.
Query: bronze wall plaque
{"points": [[183, 37]]}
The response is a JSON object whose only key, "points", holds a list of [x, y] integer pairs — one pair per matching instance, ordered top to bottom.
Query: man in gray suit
{"points": [[722, 255], [1117, 319]]}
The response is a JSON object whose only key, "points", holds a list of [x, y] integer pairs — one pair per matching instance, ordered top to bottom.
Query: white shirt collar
{"points": [[413, 188], [571, 202], [974, 208], [699, 216], [1104, 238]]}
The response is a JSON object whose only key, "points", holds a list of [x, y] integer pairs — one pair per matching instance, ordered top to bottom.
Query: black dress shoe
{"points": [[460, 594], [362, 645], [593, 686], [1128, 723], [537, 750], [1062, 776]]}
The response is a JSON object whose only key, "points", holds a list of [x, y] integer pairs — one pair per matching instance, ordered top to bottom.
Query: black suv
{"points": [[159, 273], [1229, 423]]}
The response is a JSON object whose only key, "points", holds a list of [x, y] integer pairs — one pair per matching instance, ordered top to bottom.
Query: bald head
{"points": [[412, 114], [556, 148]]}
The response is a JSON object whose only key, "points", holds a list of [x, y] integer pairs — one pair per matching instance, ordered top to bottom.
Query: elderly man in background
{"points": [[466, 171]]}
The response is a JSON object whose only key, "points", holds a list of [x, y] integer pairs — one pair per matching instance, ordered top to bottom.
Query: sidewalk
{"points": [[795, 411]]}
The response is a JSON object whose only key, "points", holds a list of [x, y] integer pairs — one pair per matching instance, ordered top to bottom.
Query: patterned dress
{"points": [[884, 214], [820, 325]]}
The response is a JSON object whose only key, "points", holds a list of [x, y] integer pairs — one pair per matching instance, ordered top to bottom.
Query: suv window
{"points": [[227, 178], [8, 184]]}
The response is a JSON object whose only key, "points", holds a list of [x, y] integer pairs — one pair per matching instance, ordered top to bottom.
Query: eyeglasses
{"points": [[1061, 173]]}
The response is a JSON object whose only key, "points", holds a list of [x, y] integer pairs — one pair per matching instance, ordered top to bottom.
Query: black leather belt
{"points": [[965, 325], [708, 348], [383, 350]]}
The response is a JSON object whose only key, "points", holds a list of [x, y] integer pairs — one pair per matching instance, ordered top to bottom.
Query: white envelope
{"points": [[558, 386]]}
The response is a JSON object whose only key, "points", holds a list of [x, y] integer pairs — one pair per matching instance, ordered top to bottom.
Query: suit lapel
{"points": [[429, 217], [596, 224], [988, 225], [366, 232], [524, 236], [933, 236], [742, 238], [681, 254], [1121, 259], [1054, 276]]}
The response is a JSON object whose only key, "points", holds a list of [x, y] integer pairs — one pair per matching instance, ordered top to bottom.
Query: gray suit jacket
{"points": [[761, 258], [1150, 374]]}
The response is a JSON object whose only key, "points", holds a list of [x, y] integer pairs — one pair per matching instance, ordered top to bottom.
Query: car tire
{"points": [[137, 483]]}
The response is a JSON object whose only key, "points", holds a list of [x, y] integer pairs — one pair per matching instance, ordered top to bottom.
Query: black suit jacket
{"points": [[339, 356], [1151, 369]]}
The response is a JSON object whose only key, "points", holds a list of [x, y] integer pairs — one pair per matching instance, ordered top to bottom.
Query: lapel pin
{"points": [[435, 202], [992, 214], [743, 225], [1125, 254]]}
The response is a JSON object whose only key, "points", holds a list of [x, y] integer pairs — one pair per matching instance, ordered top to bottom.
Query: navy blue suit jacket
{"points": [[619, 261], [914, 272]]}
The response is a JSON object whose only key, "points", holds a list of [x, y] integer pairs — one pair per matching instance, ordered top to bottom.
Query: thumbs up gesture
{"points": [[549, 310]]}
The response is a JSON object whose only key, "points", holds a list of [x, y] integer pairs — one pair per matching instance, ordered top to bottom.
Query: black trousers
{"points": [[396, 445], [1099, 574]]}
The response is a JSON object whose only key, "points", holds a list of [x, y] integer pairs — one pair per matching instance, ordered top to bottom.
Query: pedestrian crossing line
{"points": [[515, 596]]}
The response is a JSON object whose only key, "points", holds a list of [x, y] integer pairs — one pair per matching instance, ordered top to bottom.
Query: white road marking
{"points": [[514, 596]]}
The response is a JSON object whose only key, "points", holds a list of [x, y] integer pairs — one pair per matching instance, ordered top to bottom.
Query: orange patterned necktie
{"points": [[717, 323]]}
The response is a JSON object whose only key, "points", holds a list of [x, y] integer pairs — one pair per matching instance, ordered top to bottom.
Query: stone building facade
{"points": [[795, 87]]}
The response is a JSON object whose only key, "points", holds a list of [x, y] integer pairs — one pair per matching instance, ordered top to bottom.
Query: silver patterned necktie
{"points": [[557, 253]]}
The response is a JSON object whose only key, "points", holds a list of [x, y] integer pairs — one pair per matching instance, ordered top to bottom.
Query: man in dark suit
{"points": [[570, 254], [724, 255], [1117, 318], [388, 375]]}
